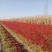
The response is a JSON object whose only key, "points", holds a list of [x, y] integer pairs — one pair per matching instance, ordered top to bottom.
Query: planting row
{"points": [[18, 46]]}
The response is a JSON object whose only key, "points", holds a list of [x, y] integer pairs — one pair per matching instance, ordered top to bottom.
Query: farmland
{"points": [[33, 19], [25, 25], [34, 37]]}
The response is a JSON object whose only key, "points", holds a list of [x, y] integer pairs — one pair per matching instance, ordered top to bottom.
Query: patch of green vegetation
{"points": [[8, 47]]}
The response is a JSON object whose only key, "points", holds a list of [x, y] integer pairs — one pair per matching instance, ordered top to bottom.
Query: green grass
{"points": [[8, 47]]}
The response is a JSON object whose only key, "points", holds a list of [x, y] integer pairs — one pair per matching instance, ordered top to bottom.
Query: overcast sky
{"points": [[20, 8]]}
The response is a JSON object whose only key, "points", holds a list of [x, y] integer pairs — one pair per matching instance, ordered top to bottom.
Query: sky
{"points": [[22, 8]]}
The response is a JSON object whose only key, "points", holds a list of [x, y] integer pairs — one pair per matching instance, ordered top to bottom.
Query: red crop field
{"points": [[25, 25], [38, 34]]}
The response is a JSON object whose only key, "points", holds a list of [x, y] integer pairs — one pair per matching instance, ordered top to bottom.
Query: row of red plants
{"points": [[34, 33], [13, 42]]}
